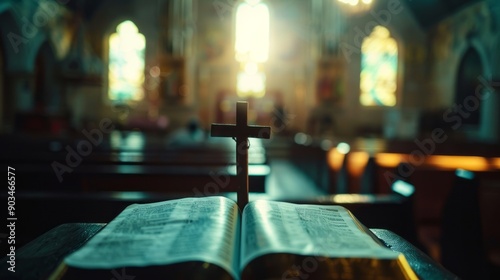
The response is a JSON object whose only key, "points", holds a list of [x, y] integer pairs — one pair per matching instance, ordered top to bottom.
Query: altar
{"points": [[39, 258]]}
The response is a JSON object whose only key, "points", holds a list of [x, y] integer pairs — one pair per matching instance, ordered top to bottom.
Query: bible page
{"points": [[189, 229], [315, 230]]}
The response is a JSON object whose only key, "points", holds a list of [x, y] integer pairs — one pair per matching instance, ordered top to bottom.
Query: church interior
{"points": [[390, 108]]}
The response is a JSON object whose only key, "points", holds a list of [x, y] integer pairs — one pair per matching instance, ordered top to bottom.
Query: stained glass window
{"points": [[126, 63], [379, 68]]}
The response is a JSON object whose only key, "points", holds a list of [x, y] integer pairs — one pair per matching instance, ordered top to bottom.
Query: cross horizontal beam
{"points": [[251, 131]]}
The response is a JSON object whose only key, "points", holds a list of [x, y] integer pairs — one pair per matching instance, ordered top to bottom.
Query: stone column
{"points": [[489, 128]]}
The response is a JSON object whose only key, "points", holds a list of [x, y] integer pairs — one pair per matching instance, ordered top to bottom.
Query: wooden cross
{"points": [[241, 131]]}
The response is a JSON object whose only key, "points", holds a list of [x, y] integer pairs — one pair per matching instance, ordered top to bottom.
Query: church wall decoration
{"points": [[174, 83], [330, 87]]}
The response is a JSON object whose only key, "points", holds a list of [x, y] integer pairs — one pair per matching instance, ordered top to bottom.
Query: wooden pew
{"points": [[311, 159], [108, 167], [462, 247]]}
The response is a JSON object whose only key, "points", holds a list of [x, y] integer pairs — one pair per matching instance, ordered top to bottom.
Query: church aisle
{"points": [[288, 181]]}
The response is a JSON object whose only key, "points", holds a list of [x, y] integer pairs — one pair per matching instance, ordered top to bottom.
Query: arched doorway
{"points": [[469, 71], [46, 94], [43, 111]]}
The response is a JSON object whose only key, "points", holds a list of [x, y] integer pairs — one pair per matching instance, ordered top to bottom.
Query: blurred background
{"points": [[390, 107]]}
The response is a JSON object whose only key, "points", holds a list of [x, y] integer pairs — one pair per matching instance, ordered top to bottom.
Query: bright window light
{"points": [[252, 32], [251, 81]]}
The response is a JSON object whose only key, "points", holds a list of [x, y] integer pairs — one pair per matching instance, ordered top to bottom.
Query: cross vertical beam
{"points": [[241, 132], [242, 147]]}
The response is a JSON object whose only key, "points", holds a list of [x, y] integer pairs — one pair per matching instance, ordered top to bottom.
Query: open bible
{"points": [[208, 238]]}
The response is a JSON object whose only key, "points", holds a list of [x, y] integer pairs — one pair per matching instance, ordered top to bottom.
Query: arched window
{"points": [[251, 47], [126, 63], [379, 69]]}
